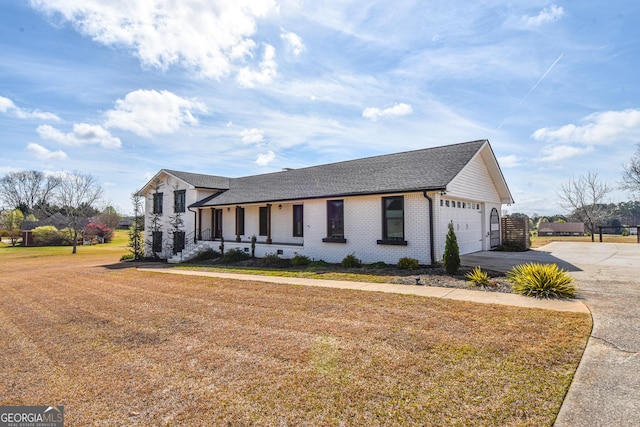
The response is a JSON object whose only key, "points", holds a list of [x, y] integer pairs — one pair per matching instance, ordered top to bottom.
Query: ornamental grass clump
{"points": [[478, 277], [541, 281]]}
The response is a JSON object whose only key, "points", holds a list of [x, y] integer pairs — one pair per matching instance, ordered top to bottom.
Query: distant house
{"points": [[379, 208], [57, 220], [125, 223], [561, 229]]}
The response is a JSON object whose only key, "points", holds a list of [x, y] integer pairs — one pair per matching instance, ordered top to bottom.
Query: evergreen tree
{"points": [[136, 243], [451, 258]]}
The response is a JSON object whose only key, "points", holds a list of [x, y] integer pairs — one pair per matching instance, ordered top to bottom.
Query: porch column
{"points": [[269, 223], [199, 224], [238, 224]]}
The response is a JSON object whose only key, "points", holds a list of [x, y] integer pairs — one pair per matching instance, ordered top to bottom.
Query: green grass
{"points": [[118, 244]]}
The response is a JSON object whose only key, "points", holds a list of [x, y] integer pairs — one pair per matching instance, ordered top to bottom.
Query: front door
{"points": [[217, 223]]}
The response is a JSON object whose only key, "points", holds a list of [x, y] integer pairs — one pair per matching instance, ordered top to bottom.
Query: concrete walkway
{"points": [[426, 291], [606, 388]]}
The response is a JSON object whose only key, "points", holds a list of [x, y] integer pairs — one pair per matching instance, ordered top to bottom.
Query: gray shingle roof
{"points": [[426, 169], [199, 180]]}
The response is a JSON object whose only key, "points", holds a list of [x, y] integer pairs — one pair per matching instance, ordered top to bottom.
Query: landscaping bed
{"points": [[374, 273]]}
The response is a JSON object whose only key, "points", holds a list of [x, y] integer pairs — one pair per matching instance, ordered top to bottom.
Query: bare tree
{"points": [[631, 173], [29, 191], [76, 195], [584, 198]]}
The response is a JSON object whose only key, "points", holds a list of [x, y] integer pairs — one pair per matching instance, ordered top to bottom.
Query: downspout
{"points": [[431, 234]]}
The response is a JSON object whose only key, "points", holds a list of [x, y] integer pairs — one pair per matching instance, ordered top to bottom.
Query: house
{"points": [[379, 208], [57, 220], [561, 229]]}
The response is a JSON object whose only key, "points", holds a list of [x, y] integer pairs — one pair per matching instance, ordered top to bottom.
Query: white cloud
{"points": [[547, 15], [202, 35], [294, 42], [266, 72], [8, 106], [397, 110], [148, 112], [598, 128], [83, 134], [252, 136], [561, 152], [44, 154], [265, 159], [510, 161]]}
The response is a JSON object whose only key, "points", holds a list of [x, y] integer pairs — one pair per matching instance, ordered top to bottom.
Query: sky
{"points": [[124, 88]]}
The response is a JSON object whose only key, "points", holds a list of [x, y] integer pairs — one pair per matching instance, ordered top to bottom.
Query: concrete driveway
{"points": [[606, 388]]}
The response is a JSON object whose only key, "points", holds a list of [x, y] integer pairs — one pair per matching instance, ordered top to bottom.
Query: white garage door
{"points": [[467, 223]]}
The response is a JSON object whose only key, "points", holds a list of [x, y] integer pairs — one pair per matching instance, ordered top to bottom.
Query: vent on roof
{"points": [[286, 169]]}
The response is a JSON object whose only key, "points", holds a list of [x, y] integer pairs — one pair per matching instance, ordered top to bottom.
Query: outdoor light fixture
{"points": [[280, 206]]}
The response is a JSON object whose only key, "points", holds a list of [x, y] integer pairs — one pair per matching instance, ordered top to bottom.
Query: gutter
{"points": [[431, 234]]}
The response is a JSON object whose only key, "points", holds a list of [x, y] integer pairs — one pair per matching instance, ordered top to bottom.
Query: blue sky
{"points": [[123, 88]]}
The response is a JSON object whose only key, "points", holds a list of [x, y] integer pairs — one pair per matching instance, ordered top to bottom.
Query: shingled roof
{"points": [[426, 169], [199, 180]]}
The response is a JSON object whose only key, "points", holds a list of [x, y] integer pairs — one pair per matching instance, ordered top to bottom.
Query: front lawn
{"points": [[117, 346]]}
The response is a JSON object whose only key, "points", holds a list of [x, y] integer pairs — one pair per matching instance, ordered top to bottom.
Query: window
{"points": [[179, 200], [157, 203], [298, 220], [239, 221], [263, 221], [335, 221], [392, 221], [156, 239], [178, 241]]}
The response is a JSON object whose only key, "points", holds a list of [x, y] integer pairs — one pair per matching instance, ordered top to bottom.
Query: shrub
{"points": [[101, 231], [47, 235], [511, 247], [206, 255], [235, 255], [128, 257], [451, 257], [271, 259], [300, 261], [350, 261], [319, 263], [407, 263], [378, 264], [478, 277], [541, 281]]}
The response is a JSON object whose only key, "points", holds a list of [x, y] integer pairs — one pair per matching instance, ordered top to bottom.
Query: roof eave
{"points": [[204, 204]]}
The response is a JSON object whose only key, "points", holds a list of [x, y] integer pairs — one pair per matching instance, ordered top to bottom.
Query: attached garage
{"points": [[467, 223]]}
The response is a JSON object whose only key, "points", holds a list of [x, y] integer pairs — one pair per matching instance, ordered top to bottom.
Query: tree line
{"points": [[34, 195], [585, 200]]}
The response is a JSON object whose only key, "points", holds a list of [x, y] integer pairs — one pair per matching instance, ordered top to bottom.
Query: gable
{"points": [[482, 179], [188, 180]]}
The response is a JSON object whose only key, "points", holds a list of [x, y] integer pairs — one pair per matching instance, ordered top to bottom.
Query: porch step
{"points": [[192, 252]]}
